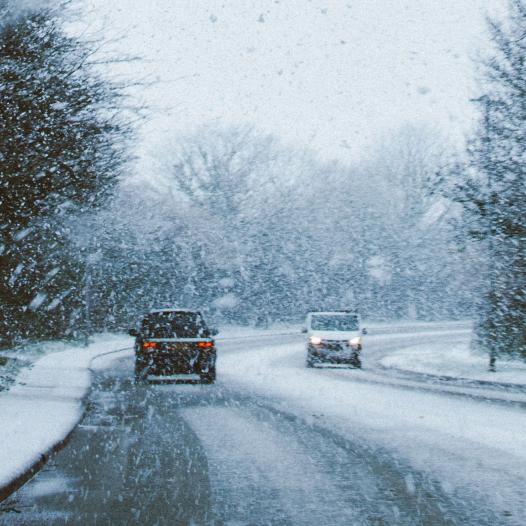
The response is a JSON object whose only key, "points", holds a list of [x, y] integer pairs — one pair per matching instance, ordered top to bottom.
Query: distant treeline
{"points": [[233, 222]]}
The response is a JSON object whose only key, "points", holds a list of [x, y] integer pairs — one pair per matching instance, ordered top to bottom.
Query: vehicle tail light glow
{"points": [[147, 345], [205, 345]]}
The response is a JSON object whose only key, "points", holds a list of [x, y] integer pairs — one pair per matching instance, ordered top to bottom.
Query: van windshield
{"points": [[335, 322], [174, 325]]}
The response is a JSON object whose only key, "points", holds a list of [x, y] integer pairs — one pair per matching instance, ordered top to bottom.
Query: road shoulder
{"points": [[455, 362]]}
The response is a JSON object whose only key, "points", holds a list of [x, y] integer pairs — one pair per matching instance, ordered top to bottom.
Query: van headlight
{"points": [[315, 340], [355, 342]]}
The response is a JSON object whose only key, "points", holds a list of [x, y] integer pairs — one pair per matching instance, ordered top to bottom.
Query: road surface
{"points": [[247, 451]]}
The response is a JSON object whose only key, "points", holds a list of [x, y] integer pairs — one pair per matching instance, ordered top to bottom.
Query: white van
{"points": [[334, 337]]}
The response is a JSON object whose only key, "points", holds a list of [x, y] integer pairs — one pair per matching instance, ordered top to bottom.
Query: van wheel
{"points": [[356, 362]]}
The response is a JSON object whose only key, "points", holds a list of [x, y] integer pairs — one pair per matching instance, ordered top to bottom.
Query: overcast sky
{"points": [[329, 74]]}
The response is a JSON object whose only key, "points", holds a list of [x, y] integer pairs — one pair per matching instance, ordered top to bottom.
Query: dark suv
{"points": [[173, 341]]}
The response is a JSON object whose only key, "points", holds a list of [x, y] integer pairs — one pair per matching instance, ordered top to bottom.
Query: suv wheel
{"points": [[141, 372], [209, 377]]}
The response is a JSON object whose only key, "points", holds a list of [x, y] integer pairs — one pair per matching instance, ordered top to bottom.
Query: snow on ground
{"points": [[404, 326], [388, 329], [229, 332], [23, 356], [456, 361], [49, 381], [44, 405], [472, 445], [469, 446], [241, 450]]}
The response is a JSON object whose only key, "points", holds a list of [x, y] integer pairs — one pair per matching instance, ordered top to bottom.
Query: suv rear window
{"points": [[335, 322], [174, 325]]}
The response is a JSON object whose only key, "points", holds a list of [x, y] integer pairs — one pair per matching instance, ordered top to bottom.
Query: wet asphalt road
{"points": [[193, 454]]}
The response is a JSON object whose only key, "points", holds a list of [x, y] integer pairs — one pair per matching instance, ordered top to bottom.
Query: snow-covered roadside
{"points": [[373, 327], [233, 332], [23, 356], [14, 360], [455, 361], [44, 405], [470, 447]]}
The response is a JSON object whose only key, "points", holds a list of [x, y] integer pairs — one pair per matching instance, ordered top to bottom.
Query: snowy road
{"points": [[275, 443]]}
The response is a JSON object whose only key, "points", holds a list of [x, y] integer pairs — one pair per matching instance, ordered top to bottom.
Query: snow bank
{"points": [[455, 361], [45, 404]]}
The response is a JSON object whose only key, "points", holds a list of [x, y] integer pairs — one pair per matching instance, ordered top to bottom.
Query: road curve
{"points": [[192, 454]]}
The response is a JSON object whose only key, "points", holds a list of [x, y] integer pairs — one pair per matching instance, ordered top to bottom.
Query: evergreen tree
{"points": [[493, 190]]}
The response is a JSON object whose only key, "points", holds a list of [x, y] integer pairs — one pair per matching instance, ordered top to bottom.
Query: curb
{"points": [[458, 381], [11, 487]]}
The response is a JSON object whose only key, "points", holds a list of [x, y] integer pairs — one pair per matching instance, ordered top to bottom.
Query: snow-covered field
{"points": [[455, 361]]}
